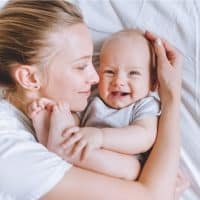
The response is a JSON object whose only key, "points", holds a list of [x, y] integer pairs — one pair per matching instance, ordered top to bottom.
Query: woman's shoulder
{"points": [[12, 119], [24, 159], [29, 163]]}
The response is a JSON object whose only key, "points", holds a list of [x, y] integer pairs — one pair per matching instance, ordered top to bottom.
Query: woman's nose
{"points": [[93, 76]]}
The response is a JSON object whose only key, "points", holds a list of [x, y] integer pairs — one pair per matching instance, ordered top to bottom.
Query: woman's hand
{"points": [[168, 68], [93, 138], [80, 142], [182, 184]]}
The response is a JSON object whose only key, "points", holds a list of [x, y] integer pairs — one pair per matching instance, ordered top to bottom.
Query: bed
{"points": [[179, 22]]}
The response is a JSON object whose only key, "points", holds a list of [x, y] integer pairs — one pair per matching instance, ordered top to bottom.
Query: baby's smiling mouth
{"points": [[119, 93]]}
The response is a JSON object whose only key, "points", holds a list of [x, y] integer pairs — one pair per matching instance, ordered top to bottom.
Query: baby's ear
{"points": [[154, 79]]}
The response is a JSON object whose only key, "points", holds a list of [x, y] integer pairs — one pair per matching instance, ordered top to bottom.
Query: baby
{"points": [[124, 101], [123, 116]]}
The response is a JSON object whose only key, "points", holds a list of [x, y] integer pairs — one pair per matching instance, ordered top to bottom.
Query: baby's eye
{"points": [[109, 72], [132, 73]]}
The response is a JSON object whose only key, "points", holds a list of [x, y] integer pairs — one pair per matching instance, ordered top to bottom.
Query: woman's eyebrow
{"points": [[82, 58]]}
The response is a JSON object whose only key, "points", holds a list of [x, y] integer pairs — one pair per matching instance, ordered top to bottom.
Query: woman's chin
{"points": [[79, 108]]}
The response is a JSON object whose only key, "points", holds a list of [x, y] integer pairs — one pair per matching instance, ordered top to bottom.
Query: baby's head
{"points": [[126, 68]]}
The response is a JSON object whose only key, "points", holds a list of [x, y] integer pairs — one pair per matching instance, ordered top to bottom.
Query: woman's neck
{"points": [[19, 100]]}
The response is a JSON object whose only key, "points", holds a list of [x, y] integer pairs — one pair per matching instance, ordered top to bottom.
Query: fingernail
{"points": [[158, 41], [76, 129]]}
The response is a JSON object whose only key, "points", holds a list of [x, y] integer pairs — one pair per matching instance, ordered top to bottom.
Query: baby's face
{"points": [[124, 71]]}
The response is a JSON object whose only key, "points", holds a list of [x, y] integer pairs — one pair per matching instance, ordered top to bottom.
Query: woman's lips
{"points": [[86, 93]]}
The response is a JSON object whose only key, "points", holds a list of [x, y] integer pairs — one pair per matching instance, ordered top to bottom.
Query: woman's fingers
{"points": [[150, 36], [162, 47], [160, 52], [172, 54], [168, 67], [69, 131], [72, 140], [78, 149], [87, 150], [182, 184]]}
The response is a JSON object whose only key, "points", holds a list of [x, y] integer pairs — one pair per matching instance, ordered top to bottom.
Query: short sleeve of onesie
{"points": [[148, 106]]}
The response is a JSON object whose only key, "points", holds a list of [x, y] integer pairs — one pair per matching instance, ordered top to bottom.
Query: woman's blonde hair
{"points": [[24, 29]]}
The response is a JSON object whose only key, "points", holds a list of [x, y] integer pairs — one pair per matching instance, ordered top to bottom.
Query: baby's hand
{"points": [[39, 105], [39, 112]]}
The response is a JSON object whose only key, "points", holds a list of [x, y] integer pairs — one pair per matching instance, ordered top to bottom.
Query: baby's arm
{"points": [[133, 139]]}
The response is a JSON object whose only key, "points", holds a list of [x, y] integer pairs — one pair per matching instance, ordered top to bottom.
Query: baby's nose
{"points": [[119, 81]]}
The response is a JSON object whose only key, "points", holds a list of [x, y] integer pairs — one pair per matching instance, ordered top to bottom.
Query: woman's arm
{"points": [[164, 157], [162, 163], [111, 164], [79, 184]]}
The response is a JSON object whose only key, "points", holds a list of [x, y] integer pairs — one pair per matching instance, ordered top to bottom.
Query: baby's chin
{"points": [[118, 105]]}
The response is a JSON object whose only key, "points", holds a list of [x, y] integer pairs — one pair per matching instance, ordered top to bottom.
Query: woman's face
{"points": [[71, 73]]}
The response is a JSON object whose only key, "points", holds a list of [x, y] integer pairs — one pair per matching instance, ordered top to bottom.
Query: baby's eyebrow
{"points": [[106, 65], [135, 68]]}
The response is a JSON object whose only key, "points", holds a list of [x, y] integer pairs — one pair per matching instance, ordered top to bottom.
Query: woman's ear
{"points": [[27, 77]]}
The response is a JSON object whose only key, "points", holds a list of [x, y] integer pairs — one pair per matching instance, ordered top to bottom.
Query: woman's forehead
{"points": [[74, 41]]}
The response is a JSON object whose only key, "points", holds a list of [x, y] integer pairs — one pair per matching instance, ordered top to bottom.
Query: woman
{"points": [[46, 51]]}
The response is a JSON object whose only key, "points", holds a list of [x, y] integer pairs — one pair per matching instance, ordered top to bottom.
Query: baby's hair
{"points": [[24, 29], [129, 33]]}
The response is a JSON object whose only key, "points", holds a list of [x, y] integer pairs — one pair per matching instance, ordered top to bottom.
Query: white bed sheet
{"points": [[179, 22]]}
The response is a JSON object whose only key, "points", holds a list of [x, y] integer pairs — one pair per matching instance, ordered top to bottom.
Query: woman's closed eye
{"points": [[82, 66]]}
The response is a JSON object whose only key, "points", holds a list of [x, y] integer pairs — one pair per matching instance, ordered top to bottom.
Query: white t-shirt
{"points": [[27, 169]]}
